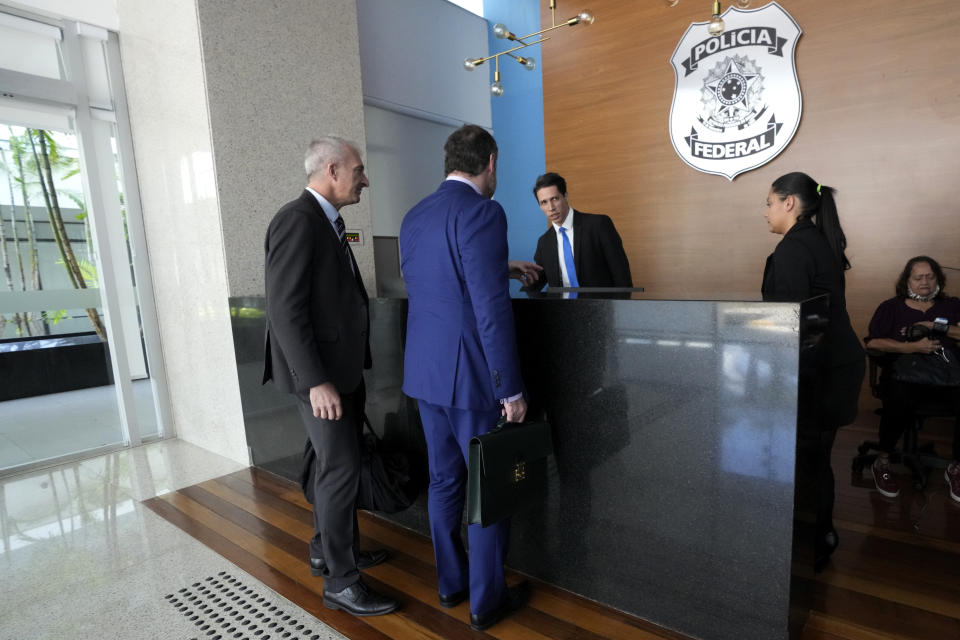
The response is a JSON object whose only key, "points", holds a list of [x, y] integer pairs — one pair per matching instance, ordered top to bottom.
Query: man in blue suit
{"points": [[461, 362]]}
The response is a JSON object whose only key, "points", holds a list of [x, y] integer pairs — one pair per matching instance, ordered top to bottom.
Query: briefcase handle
{"points": [[366, 423], [503, 423]]}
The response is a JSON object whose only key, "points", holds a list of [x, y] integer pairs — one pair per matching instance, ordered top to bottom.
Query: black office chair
{"points": [[918, 456]]}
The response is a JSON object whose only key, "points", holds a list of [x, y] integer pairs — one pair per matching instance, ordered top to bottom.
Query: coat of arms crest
{"points": [[737, 102]]}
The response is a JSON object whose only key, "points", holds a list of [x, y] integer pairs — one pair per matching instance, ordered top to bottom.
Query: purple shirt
{"points": [[893, 317]]}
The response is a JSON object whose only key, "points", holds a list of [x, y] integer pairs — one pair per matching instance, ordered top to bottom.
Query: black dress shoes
{"points": [[365, 560], [515, 598], [360, 600], [452, 600]]}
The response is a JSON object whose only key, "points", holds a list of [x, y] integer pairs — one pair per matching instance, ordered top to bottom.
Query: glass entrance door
{"points": [[79, 352]]}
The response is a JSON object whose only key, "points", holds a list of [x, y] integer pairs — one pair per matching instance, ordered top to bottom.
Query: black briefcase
{"points": [[504, 467]]}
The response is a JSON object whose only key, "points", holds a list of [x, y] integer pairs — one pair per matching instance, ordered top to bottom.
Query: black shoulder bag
{"points": [[938, 369]]}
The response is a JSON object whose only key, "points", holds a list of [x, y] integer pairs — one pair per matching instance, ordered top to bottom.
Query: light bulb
{"points": [[743, 3], [585, 17], [716, 26], [500, 30], [528, 63], [470, 64], [496, 89]]}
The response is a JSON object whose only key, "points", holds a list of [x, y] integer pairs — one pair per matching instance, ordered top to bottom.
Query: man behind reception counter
{"points": [[578, 249]]}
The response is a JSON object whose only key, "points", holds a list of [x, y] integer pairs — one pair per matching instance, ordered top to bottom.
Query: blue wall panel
{"points": [[518, 125]]}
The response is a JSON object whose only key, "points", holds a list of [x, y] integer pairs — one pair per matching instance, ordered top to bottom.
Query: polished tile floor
{"points": [[57, 424], [82, 558]]}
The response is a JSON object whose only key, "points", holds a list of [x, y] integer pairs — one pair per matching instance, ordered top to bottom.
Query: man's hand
{"points": [[525, 272], [326, 402], [515, 411]]}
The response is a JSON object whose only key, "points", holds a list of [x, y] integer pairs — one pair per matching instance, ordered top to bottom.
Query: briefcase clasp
{"points": [[519, 471]]}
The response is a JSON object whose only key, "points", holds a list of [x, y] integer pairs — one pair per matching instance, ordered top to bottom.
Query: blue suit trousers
{"points": [[448, 432]]}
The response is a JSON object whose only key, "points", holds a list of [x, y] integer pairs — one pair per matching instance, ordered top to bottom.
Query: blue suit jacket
{"points": [[461, 344]]}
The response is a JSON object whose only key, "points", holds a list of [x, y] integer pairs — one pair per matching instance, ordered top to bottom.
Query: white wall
{"points": [[160, 48], [412, 55], [416, 92], [224, 97], [396, 183]]}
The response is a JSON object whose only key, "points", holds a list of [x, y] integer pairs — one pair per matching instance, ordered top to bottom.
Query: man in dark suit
{"points": [[579, 249], [317, 346], [460, 361]]}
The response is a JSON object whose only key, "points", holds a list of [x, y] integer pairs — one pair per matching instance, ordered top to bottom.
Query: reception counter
{"points": [[671, 492]]}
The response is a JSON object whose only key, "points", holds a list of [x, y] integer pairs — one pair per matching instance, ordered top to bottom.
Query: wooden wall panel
{"points": [[881, 123]]}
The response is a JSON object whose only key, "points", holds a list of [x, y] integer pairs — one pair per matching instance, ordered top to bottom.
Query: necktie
{"points": [[341, 227], [568, 259]]}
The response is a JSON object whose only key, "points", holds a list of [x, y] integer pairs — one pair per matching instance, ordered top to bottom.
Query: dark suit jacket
{"points": [[597, 254], [317, 316], [461, 344]]}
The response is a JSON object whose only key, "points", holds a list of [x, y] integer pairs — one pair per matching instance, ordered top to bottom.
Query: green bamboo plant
{"points": [[35, 156]]}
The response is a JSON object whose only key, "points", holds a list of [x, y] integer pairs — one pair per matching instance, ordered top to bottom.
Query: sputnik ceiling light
{"points": [[716, 25], [500, 30]]}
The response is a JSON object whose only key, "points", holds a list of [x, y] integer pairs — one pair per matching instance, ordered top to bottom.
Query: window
{"points": [[76, 306]]}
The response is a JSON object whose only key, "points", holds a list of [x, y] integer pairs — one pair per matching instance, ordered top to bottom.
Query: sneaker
{"points": [[952, 476], [886, 484]]}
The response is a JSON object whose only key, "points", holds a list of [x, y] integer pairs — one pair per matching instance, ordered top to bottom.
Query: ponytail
{"points": [[819, 206]]}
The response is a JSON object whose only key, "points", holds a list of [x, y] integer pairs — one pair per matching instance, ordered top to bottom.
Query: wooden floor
{"points": [[262, 523], [896, 573]]}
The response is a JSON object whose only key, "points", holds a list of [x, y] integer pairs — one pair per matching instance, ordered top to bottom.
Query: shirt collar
{"points": [[465, 181], [328, 209], [567, 222]]}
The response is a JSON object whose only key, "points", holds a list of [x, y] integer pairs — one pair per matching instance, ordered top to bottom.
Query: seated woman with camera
{"points": [[921, 319]]}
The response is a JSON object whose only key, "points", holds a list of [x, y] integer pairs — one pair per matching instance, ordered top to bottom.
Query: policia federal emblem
{"points": [[736, 102]]}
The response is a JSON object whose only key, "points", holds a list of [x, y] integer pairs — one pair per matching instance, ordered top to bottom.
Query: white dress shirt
{"points": [[464, 181], [332, 214]]}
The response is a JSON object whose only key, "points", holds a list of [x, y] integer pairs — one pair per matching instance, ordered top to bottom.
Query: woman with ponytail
{"points": [[810, 261]]}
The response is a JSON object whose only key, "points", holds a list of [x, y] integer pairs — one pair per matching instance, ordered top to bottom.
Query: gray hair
{"points": [[323, 151]]}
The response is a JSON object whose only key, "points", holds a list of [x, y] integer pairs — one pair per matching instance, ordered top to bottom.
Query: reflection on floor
{"points": [[58, 424], [83, 558], [893, 576]]}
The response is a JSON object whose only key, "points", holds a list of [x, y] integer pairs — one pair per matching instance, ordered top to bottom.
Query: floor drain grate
{"points": [[223, 608]]}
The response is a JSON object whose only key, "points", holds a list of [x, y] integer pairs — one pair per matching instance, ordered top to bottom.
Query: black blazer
{"points": [[598, 255], [803, 266], [317, 309]]}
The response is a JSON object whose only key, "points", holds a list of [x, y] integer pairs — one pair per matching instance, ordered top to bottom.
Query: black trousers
{"points": [[827, 401], [900, 401], [336, 487]]}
